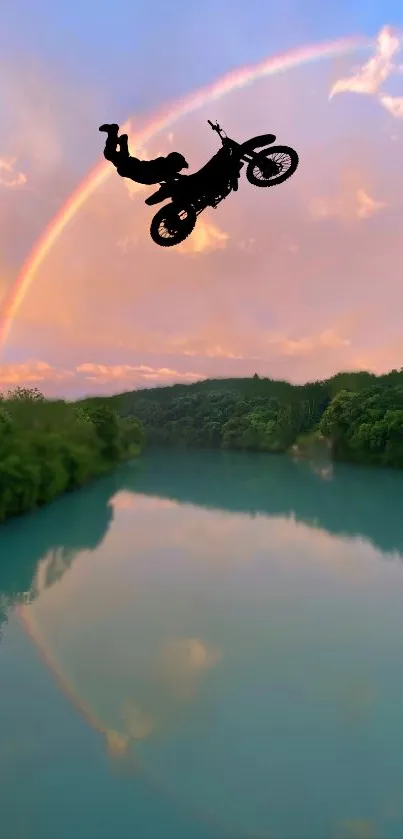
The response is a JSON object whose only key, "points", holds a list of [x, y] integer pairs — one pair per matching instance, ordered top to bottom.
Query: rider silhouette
{"points": [[143, 171]]}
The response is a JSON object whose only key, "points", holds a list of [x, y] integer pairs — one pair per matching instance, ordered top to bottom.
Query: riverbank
{"points": [[359, 415], [51, 447]]}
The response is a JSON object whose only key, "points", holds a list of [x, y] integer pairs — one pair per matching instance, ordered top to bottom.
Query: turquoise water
{"points": [[211, 646]]}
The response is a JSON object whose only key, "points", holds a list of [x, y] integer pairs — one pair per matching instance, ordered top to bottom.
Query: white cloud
{"points": [[369, 78], [393, 104], [9, 176], [347, 204], [367, 206], [206, 237]]}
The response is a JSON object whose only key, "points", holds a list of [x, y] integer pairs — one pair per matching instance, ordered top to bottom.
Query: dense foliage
{"points": [[360, 414], [366, 426], [49, 447]]}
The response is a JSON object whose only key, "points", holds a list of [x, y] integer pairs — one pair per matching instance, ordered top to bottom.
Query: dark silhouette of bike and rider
{"points": [[191, 194]]}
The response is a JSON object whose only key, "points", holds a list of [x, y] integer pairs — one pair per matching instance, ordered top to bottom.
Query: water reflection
{"points": [[343, 501], [57, 533], [184, 630], [175, 673], [129, 693]]}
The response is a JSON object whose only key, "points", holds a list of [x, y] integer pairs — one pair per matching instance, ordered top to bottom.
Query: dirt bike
{"points": [[191, 194]]}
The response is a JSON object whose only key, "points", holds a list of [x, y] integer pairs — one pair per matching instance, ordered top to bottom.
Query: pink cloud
{"points": [[9, 176], [350, 202], [206, 238], [30, 372], [104, 373], [88, 377]]}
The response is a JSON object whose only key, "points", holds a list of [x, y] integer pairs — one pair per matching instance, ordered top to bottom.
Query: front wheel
{"points": [[272, 166], [172, 225]]}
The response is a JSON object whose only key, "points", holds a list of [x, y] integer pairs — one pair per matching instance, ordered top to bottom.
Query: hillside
{"points": [[359, 414]]}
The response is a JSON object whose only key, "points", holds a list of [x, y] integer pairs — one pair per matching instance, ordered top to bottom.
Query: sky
{"points": [[299, 281]]}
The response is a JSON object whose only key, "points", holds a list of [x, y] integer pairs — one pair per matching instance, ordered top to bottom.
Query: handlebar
{"points": [[216, 127]]}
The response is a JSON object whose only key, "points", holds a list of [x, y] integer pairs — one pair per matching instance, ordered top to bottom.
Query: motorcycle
{"points": [[191, 194]]}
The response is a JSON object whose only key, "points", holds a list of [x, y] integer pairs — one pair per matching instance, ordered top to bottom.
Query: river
{"points": [[205, 645]]}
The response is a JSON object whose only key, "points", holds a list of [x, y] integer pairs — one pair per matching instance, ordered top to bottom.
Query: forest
{"points": [[358, 415], [48, 447], [51, 447]]}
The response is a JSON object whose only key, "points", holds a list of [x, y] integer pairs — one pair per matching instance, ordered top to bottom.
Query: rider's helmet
{"points": [[176, 161]]}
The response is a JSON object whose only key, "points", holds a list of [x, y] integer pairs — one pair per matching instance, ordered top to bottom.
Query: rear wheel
{"points": [[273, 166], [172, 225]]}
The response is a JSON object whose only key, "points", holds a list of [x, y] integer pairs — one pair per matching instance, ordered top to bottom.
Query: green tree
{"points": [[26, 394], [106, 427], [49, 447]]}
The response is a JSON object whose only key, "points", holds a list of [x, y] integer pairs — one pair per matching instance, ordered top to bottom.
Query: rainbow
{"points": [[233, 80], [70, 690], [115, 742]]}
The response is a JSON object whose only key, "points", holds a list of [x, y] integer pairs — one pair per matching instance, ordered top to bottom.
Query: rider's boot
{"points": [[111, 128], [111, 144]]}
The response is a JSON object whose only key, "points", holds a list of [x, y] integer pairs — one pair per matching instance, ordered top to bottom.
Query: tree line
{"points": [[359, 415], [51, 447]]}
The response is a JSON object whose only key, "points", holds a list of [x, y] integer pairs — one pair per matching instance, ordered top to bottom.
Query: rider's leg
{"points": [[123, 143], [111, 152], [127, 166], [131, 167], [144, 171]]}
